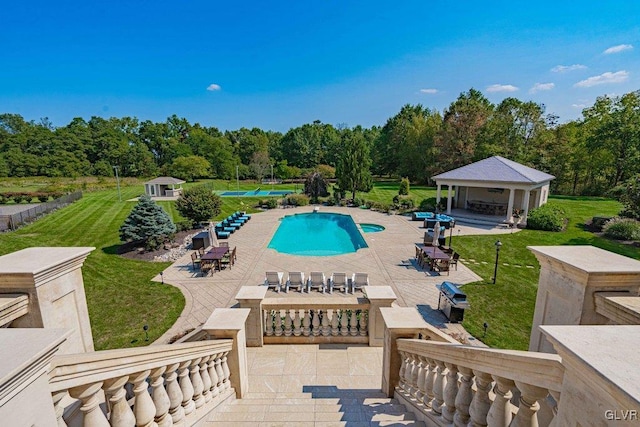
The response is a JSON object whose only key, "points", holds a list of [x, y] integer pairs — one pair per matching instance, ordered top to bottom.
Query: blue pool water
{"points": [[255, 193], [371, 228], [317, 234]]}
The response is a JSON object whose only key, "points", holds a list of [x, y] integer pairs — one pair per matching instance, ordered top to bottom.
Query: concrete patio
{"points": [[389, 260]]}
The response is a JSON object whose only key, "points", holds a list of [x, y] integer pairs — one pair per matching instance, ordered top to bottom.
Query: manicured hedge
{"points": [[547, 218]]}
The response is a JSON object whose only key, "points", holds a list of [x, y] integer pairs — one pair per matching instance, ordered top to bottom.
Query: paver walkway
{"points": [[389, 260]]}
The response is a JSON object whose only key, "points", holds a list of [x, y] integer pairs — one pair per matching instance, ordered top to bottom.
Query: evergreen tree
{"points": [[353, 165], [315, 186], [404, 187], [199, 204], [147, 223]]}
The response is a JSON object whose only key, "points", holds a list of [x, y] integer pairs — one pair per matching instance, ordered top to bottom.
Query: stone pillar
{"points": [[438, 192], [512, 192], [449, 199], [525, 206], [570, 276], [52, 278], [378, 296], [251, 297], [399, 322], [230, 323], [601, 376], [25, 397]]}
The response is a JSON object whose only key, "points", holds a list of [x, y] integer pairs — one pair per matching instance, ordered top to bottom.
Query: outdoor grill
{"points": [[453, 301]]}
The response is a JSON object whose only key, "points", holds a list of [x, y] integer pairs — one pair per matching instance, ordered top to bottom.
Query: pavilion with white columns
{"points": [[495, 186]]}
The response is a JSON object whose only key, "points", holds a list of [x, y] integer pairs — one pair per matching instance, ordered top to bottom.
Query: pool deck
{"points": [[389, 260]]}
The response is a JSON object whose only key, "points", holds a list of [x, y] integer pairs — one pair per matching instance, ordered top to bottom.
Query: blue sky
{"points": [[277, 65]]}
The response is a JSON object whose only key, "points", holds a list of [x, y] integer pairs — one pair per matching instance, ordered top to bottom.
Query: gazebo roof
{"points": [[496, 169], [165, 180]]}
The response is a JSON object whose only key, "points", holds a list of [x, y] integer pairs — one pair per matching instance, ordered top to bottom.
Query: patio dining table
{"points": [[433, 254], [214, 256]]}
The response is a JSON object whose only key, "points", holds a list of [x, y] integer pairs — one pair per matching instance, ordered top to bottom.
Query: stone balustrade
{"points": [[12, 307], [449, 384], [161, 385]]}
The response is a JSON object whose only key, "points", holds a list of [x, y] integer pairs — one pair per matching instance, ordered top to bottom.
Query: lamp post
{"points": [[115, 168], [272, 177], [238, 179], [495, 272], [146, 332]]}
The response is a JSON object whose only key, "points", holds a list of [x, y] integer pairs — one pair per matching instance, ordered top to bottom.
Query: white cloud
{"points": [[617, 49], [565, 68], [604, 78], [541, 86], [213, 87], [501, 88], [429, 91], [580, 106]]}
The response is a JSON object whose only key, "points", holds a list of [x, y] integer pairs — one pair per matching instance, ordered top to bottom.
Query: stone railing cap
{"points": [[588, 259], [35, 260], [251, 292], [379, 292], [402, 318], [227, 319], [611, 350]]}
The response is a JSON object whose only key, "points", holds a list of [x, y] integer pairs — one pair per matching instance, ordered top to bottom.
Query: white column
{"points": [[438, 194], [449, 200], [510, 205], [525, 206]]}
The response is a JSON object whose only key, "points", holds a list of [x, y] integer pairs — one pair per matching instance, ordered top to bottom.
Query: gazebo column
{"points": [[512, 193], [438, 194], [449, 200], [525, 206]]}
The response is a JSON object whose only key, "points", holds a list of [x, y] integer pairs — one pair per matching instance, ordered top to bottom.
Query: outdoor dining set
{"points": [[230, 224], [436, 258], [214, 259], [315, 280]]}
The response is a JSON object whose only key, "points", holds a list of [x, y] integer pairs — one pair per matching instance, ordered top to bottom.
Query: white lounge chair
{"points": [[273, 279], [296, 280], [316, 280], [338, 280], [358, 280]]}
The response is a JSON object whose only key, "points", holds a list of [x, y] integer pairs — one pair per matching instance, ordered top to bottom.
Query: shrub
{"points": [[404, 187], [18, 197], [28, 197], [43, 197], [3, 198], [297, 200], [358, 201], [403, 202], [272, 203], [199, 204], [427, 205], [547, 218], [147, 223], [184, 225], [622, 229]]}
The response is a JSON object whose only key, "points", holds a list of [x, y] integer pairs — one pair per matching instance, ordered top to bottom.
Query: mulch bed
{"points": [[137, 252]]}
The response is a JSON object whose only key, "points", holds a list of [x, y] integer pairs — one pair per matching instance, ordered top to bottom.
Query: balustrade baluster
{"points": [[335, 318], [344, 322], [363, 322], [288, 323], [297, 323], [306, 323], [315, 323], [268, 324], [278, 324], [353, 324], [326, 329], [211, 367], [403, 368], [423, 368], [225, 370], [405, 372], [220, 373], [413, 377], [206, 379], [196, 382], [429, 382], [186, 387], [438, 388], [174, 392], [450, 392], [89, 396], [464, 396], [57, 397], [160, 398], [480, 404], [143, 408], [528, 408], [500, 412], [120, 413]]}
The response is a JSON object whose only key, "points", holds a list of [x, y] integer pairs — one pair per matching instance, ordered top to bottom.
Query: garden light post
{"points": [[115, 168], [271, 177], [238, 179], [495, 272]]}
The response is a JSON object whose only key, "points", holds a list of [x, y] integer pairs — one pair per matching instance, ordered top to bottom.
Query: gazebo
{"points": [[163, 186], [495, 186]]}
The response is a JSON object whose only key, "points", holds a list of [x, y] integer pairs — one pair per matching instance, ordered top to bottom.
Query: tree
{"points": [[260, 164], [190, 167], [353, 168], [315, 186], [404, 187], [631, 198], [199, 204], [147, 223]]}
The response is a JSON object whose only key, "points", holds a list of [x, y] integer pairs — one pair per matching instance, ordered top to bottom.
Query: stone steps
{"points": [[320, 406]]}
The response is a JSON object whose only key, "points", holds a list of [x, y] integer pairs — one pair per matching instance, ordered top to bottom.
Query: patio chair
{"points": [[223, 244], [200, 252], [234, 255], [226, 260], [454, 260], [195, 261], [442, 265], [206, 267], [273, 279], [296, 280], [316, 280], [338, 280], [358, 281]]}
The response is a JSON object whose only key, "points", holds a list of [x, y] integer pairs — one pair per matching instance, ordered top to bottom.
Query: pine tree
{"points": [[353, 166], [147, 223]]}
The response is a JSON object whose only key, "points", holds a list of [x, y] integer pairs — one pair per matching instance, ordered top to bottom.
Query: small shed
{"points": [[163, 186], [495, 186]]}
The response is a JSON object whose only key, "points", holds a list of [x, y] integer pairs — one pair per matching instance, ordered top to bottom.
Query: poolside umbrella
{"points": [[436, 233]]}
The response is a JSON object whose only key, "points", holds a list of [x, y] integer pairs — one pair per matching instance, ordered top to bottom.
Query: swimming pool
{"points": [[255, 193], [371, 228], [317, 234]]}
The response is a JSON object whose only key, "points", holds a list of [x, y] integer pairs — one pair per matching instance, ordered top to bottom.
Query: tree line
{"points": [[590, 156]]}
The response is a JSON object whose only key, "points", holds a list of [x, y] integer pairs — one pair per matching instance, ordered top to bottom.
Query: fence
{"points": [[15, 220]]}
